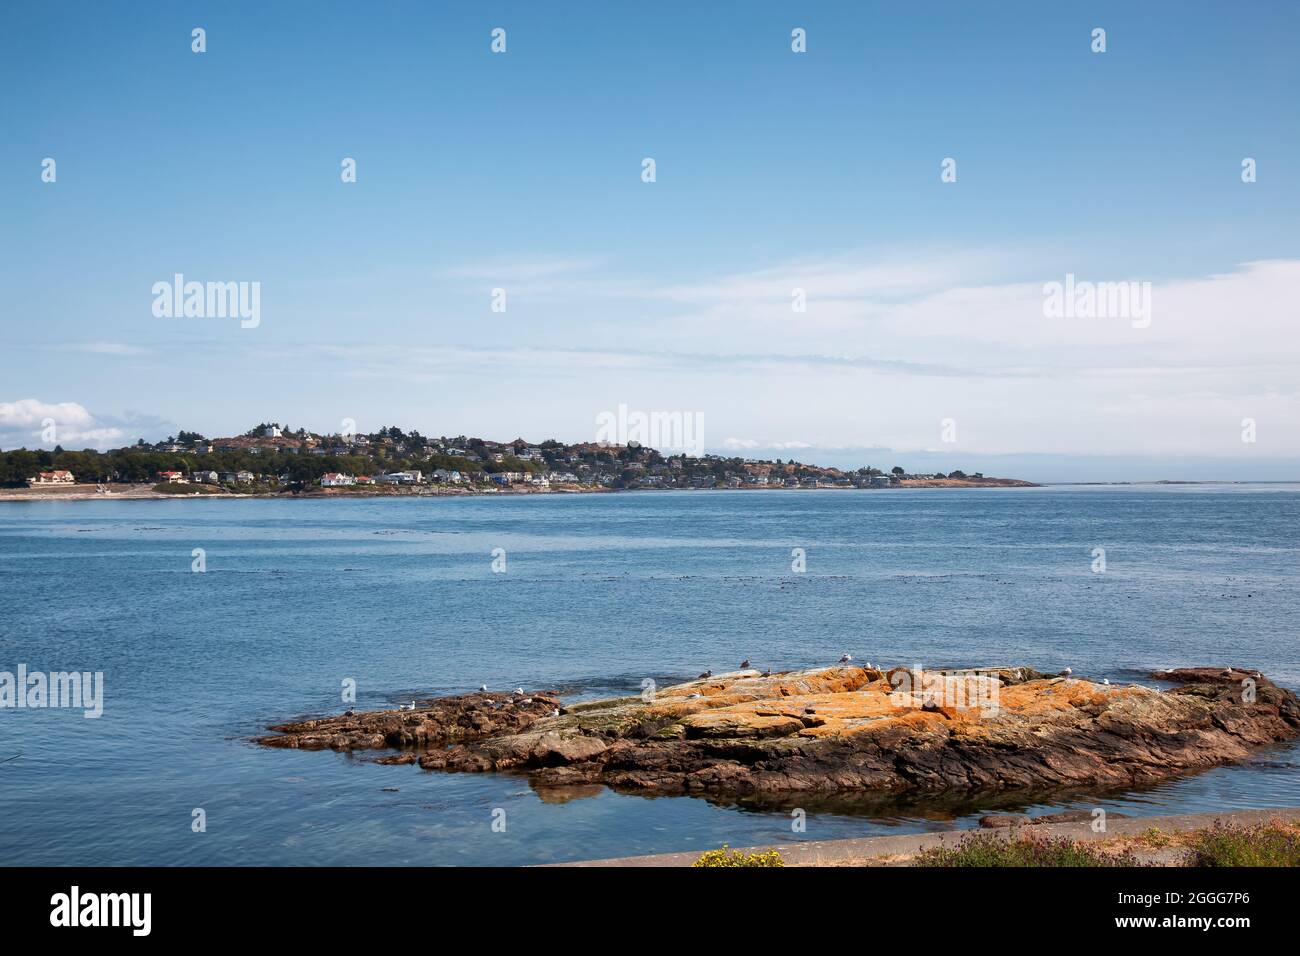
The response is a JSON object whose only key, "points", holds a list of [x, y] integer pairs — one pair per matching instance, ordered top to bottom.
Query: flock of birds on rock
{"points": [[745, 666]]}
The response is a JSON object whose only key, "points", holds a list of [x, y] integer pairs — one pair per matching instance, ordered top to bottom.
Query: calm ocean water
{"points": [[600, 591]]}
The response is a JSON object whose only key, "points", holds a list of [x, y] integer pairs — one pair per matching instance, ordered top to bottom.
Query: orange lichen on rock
{"points": [[836, 730]]}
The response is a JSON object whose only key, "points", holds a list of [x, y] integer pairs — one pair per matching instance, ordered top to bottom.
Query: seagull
{"points": [[845, 658], [744, 665], [768, 672], [1067, 672], [1227, 672], [705, 676], [1106, 681], [482, 688], [519, 691], [691, 696], [410, 706], [349, 713], [555, 713]]}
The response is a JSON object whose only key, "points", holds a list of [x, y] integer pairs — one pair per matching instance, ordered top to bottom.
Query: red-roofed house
{"points": [[52, 478]]}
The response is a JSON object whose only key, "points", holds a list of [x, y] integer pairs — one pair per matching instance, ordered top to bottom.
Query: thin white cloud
{"points": [[505, 270], [106, 348], [884, 364], [752, 444]]}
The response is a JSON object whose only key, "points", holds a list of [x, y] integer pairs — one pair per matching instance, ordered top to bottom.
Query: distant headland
{"points": [[273, 460]]}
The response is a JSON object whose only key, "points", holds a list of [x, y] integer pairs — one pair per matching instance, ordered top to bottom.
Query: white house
{"points": [[412, 477], [52, 478], [332, 479]]}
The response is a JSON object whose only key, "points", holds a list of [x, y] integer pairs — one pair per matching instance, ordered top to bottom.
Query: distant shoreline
{"points": [[147, 492]]}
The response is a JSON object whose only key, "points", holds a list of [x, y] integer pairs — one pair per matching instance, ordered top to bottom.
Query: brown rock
{"points": [[442, 721], [839, 730], [554, 749], [996, 820]]}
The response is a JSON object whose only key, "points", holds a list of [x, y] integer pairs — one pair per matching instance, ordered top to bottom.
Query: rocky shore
{"points": [[837, 730]]}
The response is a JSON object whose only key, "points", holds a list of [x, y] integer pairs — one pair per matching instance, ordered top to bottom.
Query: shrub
{"points": [[1154, 836], [1268, 844], [987, 849], [726, 857]]}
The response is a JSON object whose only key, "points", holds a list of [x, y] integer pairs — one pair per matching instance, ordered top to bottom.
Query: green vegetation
{"points": [[392, 449], [1155, 837], [1268, 844], [987, 849], [726, 857]]}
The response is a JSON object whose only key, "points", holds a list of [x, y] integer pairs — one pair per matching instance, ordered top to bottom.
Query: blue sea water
{"points": [[599, 592]]}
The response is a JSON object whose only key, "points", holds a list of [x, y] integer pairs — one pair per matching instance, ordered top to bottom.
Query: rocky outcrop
{"points": [[435, 723], [838, 730]]}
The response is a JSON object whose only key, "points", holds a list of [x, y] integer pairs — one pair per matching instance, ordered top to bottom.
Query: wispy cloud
{"points": [[510, 270], [105, 348], [881, 364]]}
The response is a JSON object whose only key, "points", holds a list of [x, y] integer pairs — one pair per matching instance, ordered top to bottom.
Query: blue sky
{"points": [[775, 170]]}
